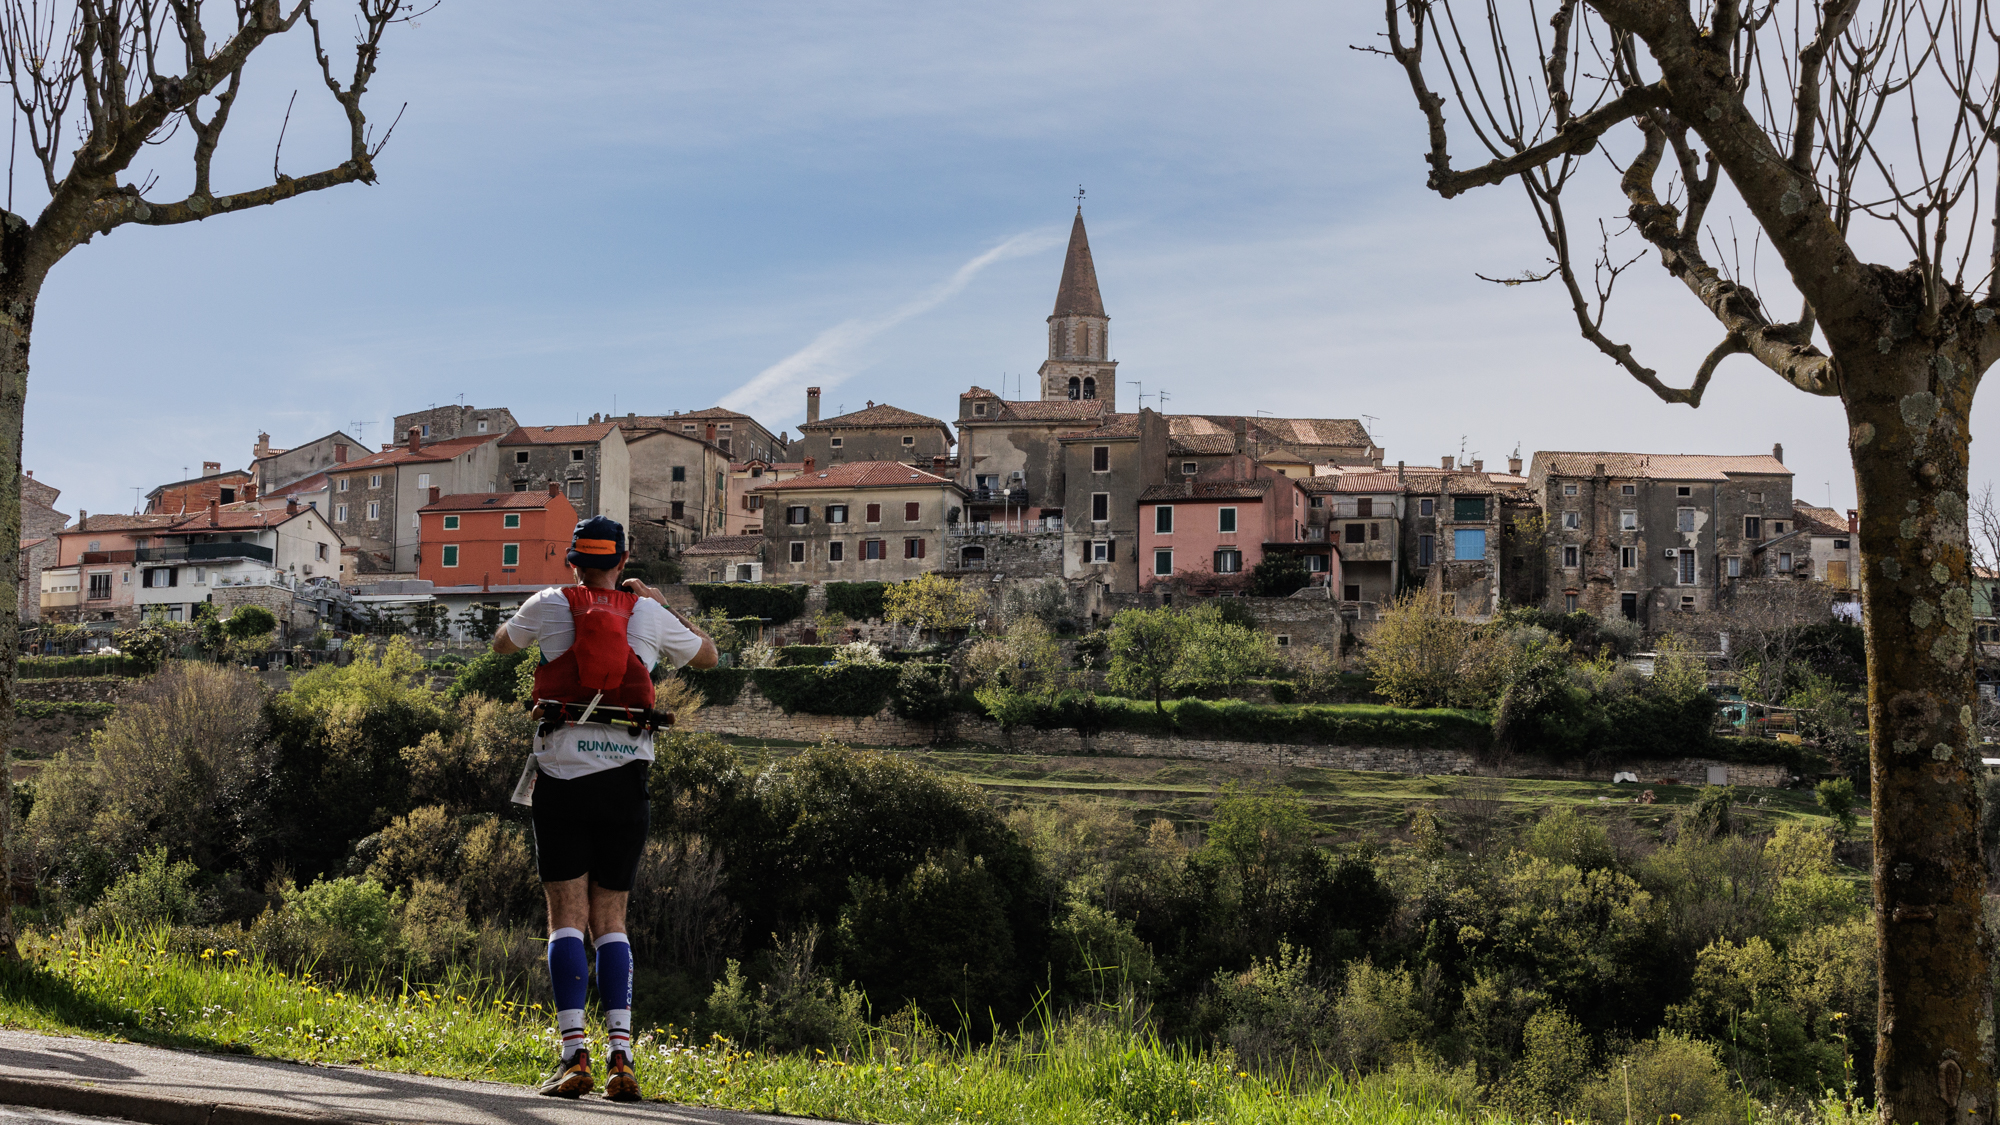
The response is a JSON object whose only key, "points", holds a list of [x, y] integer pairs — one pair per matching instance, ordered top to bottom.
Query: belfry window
{"points": [[1075, 387], [1089, 387]]}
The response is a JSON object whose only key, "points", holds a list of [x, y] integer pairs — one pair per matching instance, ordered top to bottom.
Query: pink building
{"points": [[1206, 534]]}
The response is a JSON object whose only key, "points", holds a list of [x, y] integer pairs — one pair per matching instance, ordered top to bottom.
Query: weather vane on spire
{"points": [[1079, 199]]}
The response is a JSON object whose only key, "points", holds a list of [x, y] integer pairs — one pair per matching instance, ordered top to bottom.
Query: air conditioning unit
{"points": [[1672, 554]]}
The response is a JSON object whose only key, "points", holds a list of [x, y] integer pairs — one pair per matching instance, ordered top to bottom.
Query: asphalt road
{"points": [[62, 1081]]}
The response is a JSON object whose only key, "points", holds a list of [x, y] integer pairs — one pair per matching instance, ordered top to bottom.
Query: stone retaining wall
{"points": [[80, 689], [753, 716]]}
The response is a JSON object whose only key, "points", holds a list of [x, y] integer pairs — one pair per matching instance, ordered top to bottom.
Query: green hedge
{"points": [[856, 601], [774, 604], [801, 656], [66, 667], [719, 686], [843, 689], [45, 709], [1237, 721], [1766, 751]]}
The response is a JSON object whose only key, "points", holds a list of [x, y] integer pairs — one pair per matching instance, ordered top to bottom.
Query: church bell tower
{"points": [[1079, 366]]}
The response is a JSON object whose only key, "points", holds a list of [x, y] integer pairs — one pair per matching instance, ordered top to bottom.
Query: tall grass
{"points": [[1097, 1071]]}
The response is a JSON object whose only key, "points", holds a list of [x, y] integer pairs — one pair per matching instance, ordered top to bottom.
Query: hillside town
{"points": [[471, 509]]}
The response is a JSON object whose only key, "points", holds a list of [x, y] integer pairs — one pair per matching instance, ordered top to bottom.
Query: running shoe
{"points": [[571, 1079], [620, 1084]]}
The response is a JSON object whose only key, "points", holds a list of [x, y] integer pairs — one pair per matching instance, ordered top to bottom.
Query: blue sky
{"points": [[675, 205]]}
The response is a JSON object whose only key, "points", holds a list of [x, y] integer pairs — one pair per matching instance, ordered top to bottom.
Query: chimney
{"points": [[812, 405], [711, 433], [416, 439], [387, 446], [263, 449], [1778, 452], [340, 453], [1377, 463], [940, 464], [1447, 464], [1478, 465], [1514, 465], [808, 467], [211, 468], [1600, 469], [1399, 472], [555, 488], [250, 492], [434, 494], [291, 505], [214, 513], [1853, 522], [486, 582]]}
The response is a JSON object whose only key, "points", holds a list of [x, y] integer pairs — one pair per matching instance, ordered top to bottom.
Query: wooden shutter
{"points": [[912, 511], [874, 513], [920, 544], [1111, 551]]}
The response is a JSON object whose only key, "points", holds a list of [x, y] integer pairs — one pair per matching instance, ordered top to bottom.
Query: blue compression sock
{"points": [[569, 971], [614, 987]]}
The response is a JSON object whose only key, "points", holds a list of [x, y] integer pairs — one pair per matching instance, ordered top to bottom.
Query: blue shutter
{"points": [[1468, 543]]}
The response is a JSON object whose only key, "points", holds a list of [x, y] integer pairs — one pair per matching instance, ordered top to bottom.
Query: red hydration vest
{"points": [[600, 660]]}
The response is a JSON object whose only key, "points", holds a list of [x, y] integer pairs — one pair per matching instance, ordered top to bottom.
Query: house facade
{"points": [[441, 423], [874, 433], [738, 435], [588, 463], [273, 469], [1105, 470], [678, 478], [183, 497], [374, 501], [745, 512], [1361, 514], [860, 521], [1204, 536], [488, 539], [1833, 554], [234, 558], [725, 558], [95, 577]]}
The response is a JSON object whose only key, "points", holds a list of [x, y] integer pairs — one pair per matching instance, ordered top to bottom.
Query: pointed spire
{"points": [[1078, 295]]}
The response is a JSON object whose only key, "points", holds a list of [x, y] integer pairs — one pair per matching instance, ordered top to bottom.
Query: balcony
{"points": [[1015, 496], [1043, 526], [1365, 540], [203, 552]]}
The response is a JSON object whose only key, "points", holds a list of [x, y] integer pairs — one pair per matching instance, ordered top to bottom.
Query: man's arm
{"points": [[503, 642], [702, 660]]}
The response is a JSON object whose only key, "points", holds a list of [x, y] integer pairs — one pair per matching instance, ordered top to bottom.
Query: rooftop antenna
{"points": [[1135, 382], [1162, 398], [1371, 420], [360, 431]]}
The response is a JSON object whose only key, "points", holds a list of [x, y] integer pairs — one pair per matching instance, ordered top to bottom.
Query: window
{"points": [[979, 408], [482, 425], [426, 429], [908, 440], [836, 443], [576, 455], [520, 457], [1100, 458], [1189, 468], [679, 473], [375, 480], [423, 481], [343, 484], [520, 486], [575, 490], [1569, 490], [1628, 490], [1684, 490], [1756, 497], [1319, 501], [1426, 506], [1100, 507], [1364, 507], [374, 509], [677, 509], [1468, 509], [912, 512], [340, 513], [836, 513], [874, 513], [798, 515], [1163, 519], [1628, 519], [1684, 519], [413, 520], [511, 520], [1225, 520], [1572, 520], [451, 523], [1753, 527], [1777, 527], [1354, 533], [1468, 543], [1840, 544], [98, 545], [913, 548], [871, 549], [1426, 550], [798, 551], [836, 551], [1100, 551], [322, 552], [510, 554], [449, 556], [1570, 557], [1628, 558], [1229, 560], [1163, 562], [1784, 562], [1315, 564], [1733, 567], [1687, 568], [160, 578], [100, 586], [1350, 593], [1569, 603], [1687, 603], [1628, 604], [1284, 640]]}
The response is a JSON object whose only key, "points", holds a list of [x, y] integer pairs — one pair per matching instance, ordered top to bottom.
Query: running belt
{"points": [[555, 713]]}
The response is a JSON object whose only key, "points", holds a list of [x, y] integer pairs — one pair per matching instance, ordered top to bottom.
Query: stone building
{"points": [[1079, 366], [441, 423], [873, 433], [739, 435], [1011, 460], [589, 463], [273, 470], [1104, 472], [678, 478], [184, 497], [374, 500], [1361, 513], [744, 514], [860, 521], [1456, 527], [1649, 534], [40, 547], [1832, 554], [725, 558]]}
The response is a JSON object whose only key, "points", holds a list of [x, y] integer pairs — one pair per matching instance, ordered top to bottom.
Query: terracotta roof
{"points": [[1077, 296], [978, 392], [1035, 410], [710, 412], [881, 416], [1115, 426], [1274, 431], [588, 433], [1202, 444], [443, 450], [774, 466], [1655, 466], [860, 474], [223, 475], [1352, 482], [1449, 482], [314, 483], [1209, 490], [481, 501], [260, 520], [1819, 521], [128, 523], [27, 543], [726, 545]]}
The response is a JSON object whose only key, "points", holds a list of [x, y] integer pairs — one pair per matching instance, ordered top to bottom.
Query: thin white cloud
{"points": [[827, 361]]}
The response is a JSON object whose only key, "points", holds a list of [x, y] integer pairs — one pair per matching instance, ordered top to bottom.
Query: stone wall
{"points": [[295, 619], [80, 689], [753, 716]]}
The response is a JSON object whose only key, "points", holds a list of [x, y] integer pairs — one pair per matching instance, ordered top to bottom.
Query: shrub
{"points": [[1279, 576], [856, 601], [771, 603], [933, 603], [250, 622], [857, 652], [758, 654], [798, 656], [1421, 656], [66, 667], [489, 674], [719, 686], [843, 689], [924, 693], [45, 709], [473, 765], [155, 892], [343, 920], [431, 924], [938, 937], [1095, 956], [800, 1009], [1273, 1013], [1554, 1064], [1671, 1078]]}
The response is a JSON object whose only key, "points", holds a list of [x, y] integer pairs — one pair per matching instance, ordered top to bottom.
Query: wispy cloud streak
{"points": [[828, 360]]}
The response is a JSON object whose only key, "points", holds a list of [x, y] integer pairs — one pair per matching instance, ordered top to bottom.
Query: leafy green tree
{"points": [[1279, 576], [932, 603], [249, 622], [1146, 647], [1221, 653], [1421, 656], [1836, 796], [938, 938], [1555, 1062]]}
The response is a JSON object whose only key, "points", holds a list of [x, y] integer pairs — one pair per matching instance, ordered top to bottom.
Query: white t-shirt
{"points": [[652, 632]]}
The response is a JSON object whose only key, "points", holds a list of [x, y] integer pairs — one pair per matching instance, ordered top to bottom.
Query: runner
{"points": [[594, 699]]}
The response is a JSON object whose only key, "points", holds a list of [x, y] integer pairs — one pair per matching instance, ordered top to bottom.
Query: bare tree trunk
{"points": [[19, 288], [1908, 418]]}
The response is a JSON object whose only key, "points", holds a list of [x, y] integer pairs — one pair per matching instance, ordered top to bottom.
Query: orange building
{"points": [[495, 538]]}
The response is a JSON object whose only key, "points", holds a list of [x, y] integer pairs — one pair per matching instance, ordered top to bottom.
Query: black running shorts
{"points": [[592, 825]]}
